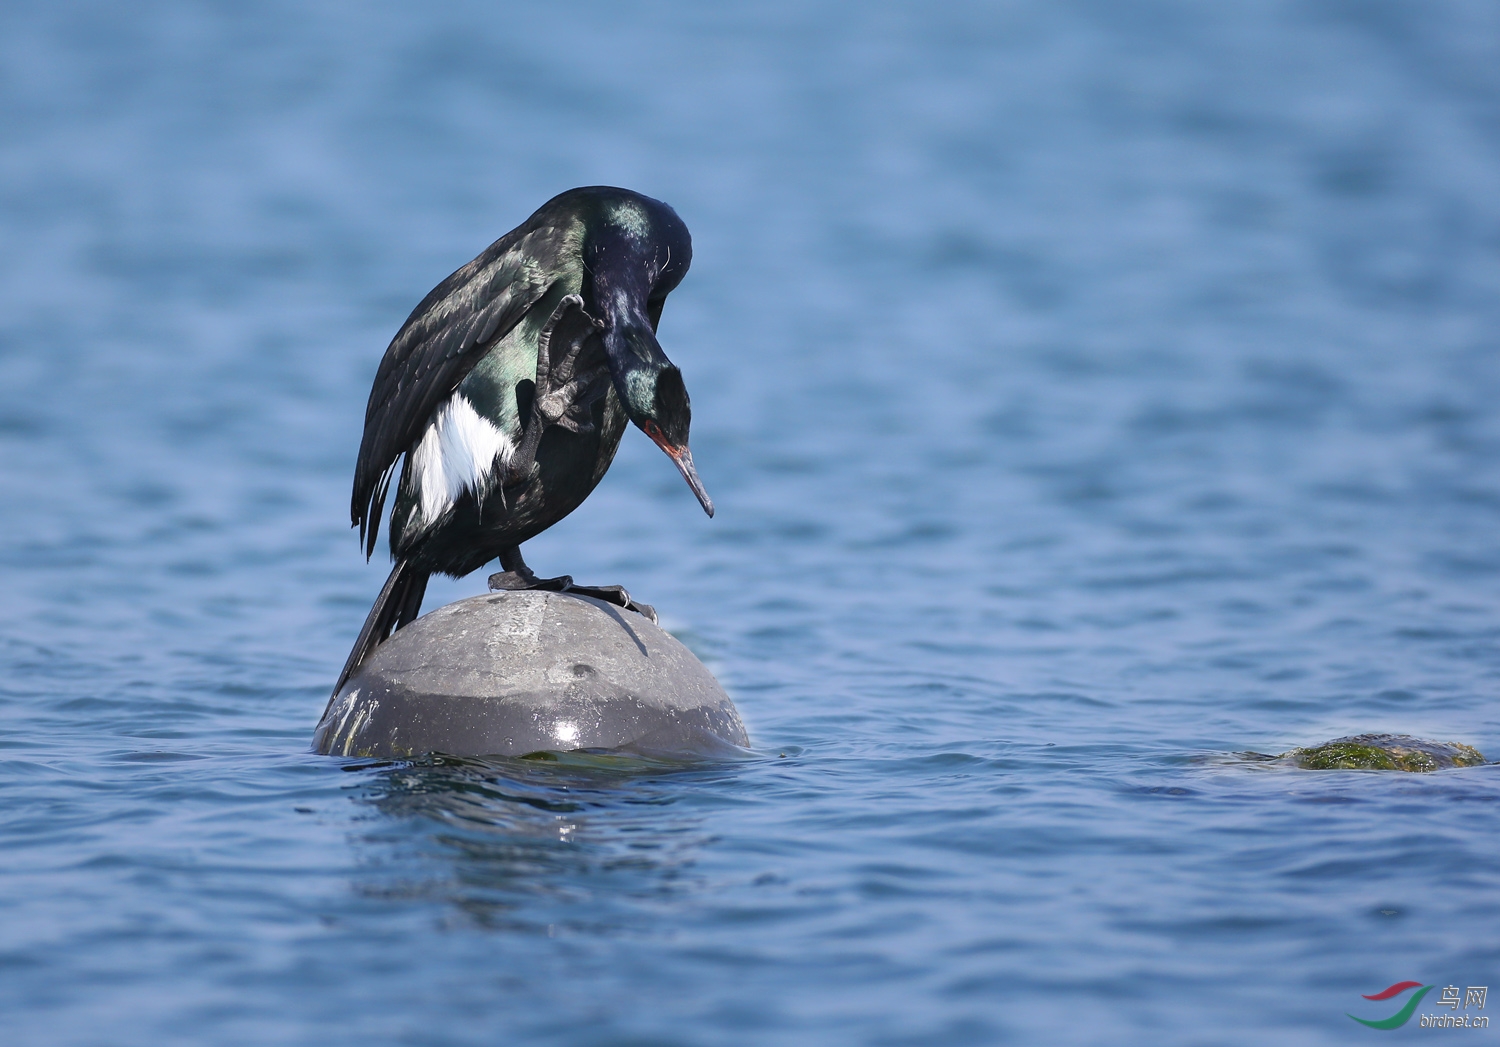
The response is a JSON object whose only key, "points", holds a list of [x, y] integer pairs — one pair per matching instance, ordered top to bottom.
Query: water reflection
{"points": [[550, 843]]}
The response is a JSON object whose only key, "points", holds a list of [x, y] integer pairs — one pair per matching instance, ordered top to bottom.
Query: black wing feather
{"points": [[439, 344]]}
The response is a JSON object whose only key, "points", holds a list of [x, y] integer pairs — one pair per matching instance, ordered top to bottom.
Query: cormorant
{"points": [[508, 389]]}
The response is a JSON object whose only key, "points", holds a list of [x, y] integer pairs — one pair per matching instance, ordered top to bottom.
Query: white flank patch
{"points": [[457, 454]]}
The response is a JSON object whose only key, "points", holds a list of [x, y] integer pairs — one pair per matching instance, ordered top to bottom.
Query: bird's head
{"points": [[636, 251], [656, 400]]}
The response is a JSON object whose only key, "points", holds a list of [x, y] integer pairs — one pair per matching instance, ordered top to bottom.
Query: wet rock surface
{"points": [[513, 673], [1380, 752]]}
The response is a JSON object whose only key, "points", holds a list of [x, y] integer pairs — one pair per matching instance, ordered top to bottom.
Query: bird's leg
{"points": [[571, 373], [517, 576]]}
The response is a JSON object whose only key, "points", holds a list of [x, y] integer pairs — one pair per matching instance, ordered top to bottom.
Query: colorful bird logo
{"points": [[1402, 1016]]}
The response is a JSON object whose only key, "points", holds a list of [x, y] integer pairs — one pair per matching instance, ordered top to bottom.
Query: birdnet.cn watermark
{"points": [[1463, 1007]]}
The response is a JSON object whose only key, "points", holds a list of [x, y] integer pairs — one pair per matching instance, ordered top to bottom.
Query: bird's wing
{"points": [[442, 340]]}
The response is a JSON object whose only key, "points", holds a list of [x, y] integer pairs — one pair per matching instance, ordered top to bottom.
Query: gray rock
{"points": [[512, 673]]}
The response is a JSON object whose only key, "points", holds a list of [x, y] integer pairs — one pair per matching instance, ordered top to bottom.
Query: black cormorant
{"points": [[508, 389]]}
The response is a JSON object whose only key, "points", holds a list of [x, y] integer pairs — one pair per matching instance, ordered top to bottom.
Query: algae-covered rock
{"points": [[1384, 752]]}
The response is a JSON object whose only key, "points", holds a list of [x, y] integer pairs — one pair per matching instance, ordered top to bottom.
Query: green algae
{"points": [[1384, 752], [1345, 756]]}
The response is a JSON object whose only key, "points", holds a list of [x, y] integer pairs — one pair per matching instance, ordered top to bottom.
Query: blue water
{"points": [[1090, 391]]}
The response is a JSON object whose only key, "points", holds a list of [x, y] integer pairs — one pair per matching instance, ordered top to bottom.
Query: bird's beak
{"points": [[684, 459], [690, 474]]}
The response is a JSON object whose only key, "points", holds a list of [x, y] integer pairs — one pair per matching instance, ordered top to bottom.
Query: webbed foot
{"points": [[525, 579], [614, 594], [617, 595]]}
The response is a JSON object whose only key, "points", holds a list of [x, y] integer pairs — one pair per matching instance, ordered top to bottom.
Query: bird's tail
{"points": [[399, 602]]}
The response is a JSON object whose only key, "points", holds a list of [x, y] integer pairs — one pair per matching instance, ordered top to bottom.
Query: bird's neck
{"points": [[617, 294]]}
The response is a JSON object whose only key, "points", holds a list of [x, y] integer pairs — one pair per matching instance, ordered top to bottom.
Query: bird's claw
{"points": [[564, 394], [570, 405], [514, 581], [617, 595]]}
